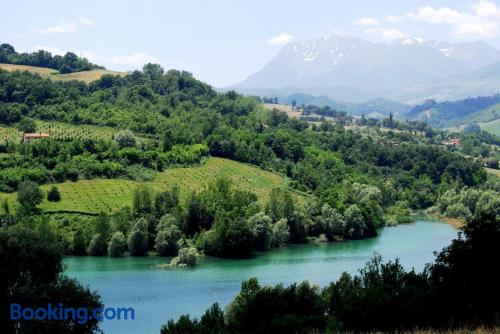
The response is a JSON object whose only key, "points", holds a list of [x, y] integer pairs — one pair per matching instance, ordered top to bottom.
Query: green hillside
{"points": [[86, 76], [455, 113], [491, 127], [107, 195]]}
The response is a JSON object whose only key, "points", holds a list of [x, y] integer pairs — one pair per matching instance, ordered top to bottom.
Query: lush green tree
{"points": [[27, 125], [126, 138], [53, 195], [29, 196], [142, 200], [166, 202], [457, 210], [199, 217], [121, 220], [333, 222], [261, 223], [355, 223], [102, 226], [280, 233], [229, 237], [138, 238], [166, 241], [138, 242], [79, 245], [98, 245], [116, 245], [186, 257], [31, 270], [382, 297], [294, 309]]}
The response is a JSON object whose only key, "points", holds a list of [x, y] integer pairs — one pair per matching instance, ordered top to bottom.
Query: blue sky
{"points": [[224, 41]]}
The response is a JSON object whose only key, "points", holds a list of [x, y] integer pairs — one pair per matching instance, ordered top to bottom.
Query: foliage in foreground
{"points": [[31, 275]]}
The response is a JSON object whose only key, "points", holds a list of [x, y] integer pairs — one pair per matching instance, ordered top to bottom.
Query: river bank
{"points": [[158, 295]]}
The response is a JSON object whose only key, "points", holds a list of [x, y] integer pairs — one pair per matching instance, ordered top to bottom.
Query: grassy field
{"points": [[87, 76], [283, 107], [492, 127], [63, 131], [10, 134], [493, 171], [105, 195]]}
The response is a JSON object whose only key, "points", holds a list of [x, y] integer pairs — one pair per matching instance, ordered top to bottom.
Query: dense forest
{"points": [[68, 63], [353, 182]]}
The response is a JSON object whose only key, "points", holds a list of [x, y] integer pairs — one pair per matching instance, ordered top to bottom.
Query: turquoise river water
{"points": [[158, 295]]}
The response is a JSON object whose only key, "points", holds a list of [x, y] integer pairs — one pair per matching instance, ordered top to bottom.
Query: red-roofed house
{"points": [[30, 136]]}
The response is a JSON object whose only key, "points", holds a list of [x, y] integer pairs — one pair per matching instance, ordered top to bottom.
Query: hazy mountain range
{"points": [[351, 69]]}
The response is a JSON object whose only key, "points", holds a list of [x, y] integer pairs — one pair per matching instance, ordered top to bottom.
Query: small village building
{"points": [[31, 136]]}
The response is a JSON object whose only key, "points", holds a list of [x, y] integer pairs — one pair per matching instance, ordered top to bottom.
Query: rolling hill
{"points": [[86, 76], [377, 108], [483, 109], [107, 195]]}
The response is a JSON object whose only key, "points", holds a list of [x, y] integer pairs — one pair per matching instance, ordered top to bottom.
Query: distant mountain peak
{"points": [[410, 41], [407, 70]]}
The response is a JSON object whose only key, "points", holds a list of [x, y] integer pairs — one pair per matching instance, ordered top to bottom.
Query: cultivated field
{"points": [[87, 76], [63, 131], [10, 134], [106, 195]]}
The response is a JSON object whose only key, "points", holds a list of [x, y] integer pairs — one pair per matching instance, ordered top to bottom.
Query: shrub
{"points": [[126, 138], [29, 195], [54, 195], [457, 210], [261, 223], [280, 233], [166, 240], [138, 243], [97, 245], [116, 246], [187, 257]]}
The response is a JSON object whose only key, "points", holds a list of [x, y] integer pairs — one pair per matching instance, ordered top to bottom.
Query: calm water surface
{"points": [[161, 294]]}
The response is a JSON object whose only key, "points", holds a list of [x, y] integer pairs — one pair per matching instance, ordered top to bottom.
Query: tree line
{"points": [[68, 63], [460, 289]]}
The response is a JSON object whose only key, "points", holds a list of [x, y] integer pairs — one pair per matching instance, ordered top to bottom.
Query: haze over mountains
{"points": [[351, 69]]}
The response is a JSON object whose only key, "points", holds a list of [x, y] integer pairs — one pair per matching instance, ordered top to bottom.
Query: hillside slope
{"points": [[86, 76], [454, 113], [107, 195]]}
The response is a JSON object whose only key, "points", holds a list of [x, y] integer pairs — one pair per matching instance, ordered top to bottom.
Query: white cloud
{"points": [[394, 18], [482, 20], [85, 21], [366, 21], [65, 26], [386, 33], [281, 39], [53, 50], [135, 59], [128, 61]]}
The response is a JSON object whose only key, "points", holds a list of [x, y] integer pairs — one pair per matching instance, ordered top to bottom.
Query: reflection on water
{"points": [[161, 294]]}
